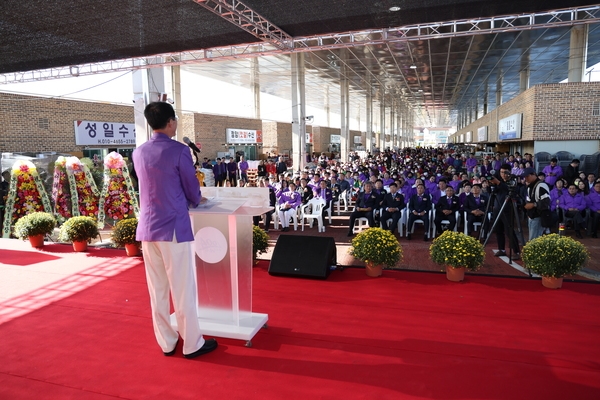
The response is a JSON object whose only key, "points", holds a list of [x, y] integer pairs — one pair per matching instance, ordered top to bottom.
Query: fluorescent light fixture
{"points": [[413, 66]]}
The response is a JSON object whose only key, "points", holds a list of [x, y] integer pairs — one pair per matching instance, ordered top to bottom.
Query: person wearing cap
{"points": [[572, 171], [553, 172], [537, 202]]}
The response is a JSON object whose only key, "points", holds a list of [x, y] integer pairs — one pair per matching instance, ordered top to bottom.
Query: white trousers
{"points": [[285, 215], [170, 270]]}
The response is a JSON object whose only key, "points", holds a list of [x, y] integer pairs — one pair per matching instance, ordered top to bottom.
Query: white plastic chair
{"points": [[343, 199], [311, 211], [293, 216], [418, 221], [445, 221], [401, 222], [360, 224], [475, 224]]}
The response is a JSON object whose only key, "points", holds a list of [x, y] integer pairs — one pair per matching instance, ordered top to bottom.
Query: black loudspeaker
{"points": [[304, 256]]}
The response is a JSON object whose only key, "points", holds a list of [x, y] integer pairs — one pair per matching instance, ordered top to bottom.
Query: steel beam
{"points": [[249, 20], [439, 30]]}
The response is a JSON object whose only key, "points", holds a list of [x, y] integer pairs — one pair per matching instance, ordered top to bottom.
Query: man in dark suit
{"points": [[281, 166], [365, 203], [392, 206], [419, 207], [475, 207], [446, 209]]}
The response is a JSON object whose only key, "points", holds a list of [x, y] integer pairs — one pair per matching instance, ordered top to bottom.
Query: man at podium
{"points": [[168, 185]]}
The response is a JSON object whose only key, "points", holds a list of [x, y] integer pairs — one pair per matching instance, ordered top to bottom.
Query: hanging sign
{"points": [[93, 133], [242, 136]]}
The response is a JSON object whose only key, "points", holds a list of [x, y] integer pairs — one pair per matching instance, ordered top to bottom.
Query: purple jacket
{"points": [[471, 162], [231, 167], [219, 169], [551, 179], [168, 185], [555, 196], [293, 198], [567, 201], [593, 201]]}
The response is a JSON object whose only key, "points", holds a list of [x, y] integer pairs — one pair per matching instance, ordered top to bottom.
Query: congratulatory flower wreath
{"points": [[26, 194], [61, 194], [84, 194], [117, 200]]}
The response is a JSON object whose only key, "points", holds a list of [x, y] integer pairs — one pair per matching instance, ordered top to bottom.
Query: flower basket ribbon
{"points": [[114, 165], [78, 172], [12, 195], [62, 204]]}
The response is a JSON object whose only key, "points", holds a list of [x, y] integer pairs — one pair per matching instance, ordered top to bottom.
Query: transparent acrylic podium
{"points": [[223, 252]]}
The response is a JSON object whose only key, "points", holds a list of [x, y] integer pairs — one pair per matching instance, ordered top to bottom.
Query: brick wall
{"points": [[560, 111], [564, 111], [39, 124], [210, 130]]}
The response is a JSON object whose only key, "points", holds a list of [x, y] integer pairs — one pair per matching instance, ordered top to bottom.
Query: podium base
{"points": [[245, 330]]}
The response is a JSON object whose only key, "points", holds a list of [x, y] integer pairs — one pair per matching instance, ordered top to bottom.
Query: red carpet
{"points": [[405, 335]]}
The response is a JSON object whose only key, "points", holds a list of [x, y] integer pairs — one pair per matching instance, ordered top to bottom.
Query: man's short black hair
{"points": [[158, 114]]}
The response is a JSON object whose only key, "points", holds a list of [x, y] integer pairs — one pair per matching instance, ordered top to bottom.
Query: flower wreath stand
{"points": [[84, 193], [61, 194], [26, 195], [117, 199]]}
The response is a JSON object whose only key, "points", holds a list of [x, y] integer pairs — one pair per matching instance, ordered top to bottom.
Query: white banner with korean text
{"points": [[510, 127], [93, 133], [243, 136]]}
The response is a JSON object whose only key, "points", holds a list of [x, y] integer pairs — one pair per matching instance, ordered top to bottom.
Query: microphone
{"points": [[191, 144]]}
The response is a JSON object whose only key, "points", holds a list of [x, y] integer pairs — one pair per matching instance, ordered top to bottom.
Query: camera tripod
{"points": [[508, 221]]}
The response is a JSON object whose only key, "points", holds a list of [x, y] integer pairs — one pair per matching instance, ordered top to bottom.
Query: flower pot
{"points": [[37, 240], [80, 246], [132, 249], [373, 270], [455, 274], [551, 282]]}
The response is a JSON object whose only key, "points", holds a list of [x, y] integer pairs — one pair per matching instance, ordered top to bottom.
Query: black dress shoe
{"points": [[350, 234], [578, 234], [595, 235], [408, 237], [425, 238], [500, 253], [209, 345], [172, 352]]}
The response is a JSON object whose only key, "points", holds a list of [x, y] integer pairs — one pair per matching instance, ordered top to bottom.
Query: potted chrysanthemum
{"points": [[35, 227], [80, 231], [123, 235], [260, 242], [377, 248], [457, 252], [554, 256]]}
